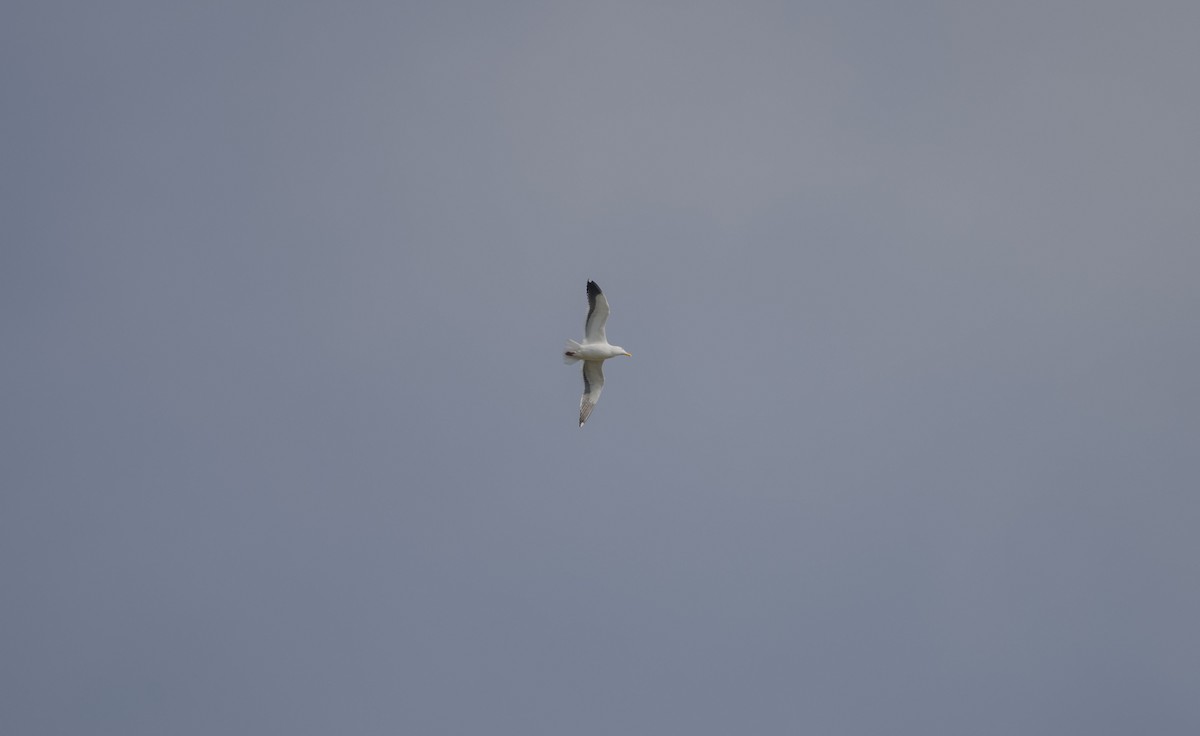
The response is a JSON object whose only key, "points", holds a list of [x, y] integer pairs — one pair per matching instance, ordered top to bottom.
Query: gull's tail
{"points": [[569, 353]]}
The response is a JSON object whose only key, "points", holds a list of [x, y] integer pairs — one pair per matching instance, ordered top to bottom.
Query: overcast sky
{"points": [[910, 443]]}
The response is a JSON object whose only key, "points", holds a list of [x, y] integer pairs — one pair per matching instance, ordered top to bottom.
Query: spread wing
{"points": [[593, 328], [593, 382]]}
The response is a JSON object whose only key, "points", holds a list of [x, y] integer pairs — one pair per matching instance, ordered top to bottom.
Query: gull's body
{"points": [[593, 351]]}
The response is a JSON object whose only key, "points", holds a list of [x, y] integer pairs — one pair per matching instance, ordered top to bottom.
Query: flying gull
{"points": [[593, 351]]}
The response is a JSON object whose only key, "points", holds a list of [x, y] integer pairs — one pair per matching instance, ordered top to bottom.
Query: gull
{"points": [[593, 351]]}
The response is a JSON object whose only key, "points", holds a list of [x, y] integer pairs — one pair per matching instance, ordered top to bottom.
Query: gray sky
{"points": [[910, 443]]}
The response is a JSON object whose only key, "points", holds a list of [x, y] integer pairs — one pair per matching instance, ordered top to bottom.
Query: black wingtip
{"points": [[593, 289]]}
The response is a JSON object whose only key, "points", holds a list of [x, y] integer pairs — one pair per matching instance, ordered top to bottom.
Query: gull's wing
{"points": [[593, 328], [593, 382]]}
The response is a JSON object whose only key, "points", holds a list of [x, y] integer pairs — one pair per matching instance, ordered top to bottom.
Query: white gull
{"points": [[593, 351]]}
